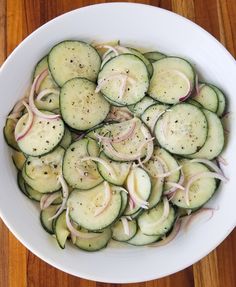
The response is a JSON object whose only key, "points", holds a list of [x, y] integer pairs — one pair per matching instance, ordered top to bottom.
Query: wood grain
{"points": [[19, 267]]}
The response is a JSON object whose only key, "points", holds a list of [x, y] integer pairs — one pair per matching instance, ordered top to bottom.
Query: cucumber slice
{"points": [[133, 52], [154, 56], [70, 59], [144, 59], [132, 66], [48, 82], [167, 85], [208, 98], [221, 101], [194, 103], [141, 106], [81, 107], [151, 115], [182, 131], [9, 136], [43, 136], [67, 139], [129, 146], [212, 147], [92, 148], [18, 159], [170, 165], [121, 170], [41, 173], [82, 175], [21, 183], [157, 183], [141, 186], [200, 191], [32, 193], [124, 197], [83, 204], [137, 213], [45, 215], [147, 220], [60, 229], [118, 233], [141, 239], [95, 244]]}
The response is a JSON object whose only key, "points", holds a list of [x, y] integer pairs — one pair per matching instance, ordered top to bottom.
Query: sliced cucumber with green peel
{"points": [[128, 50], [154, 56], [70, 59], [131, 66], [173, 79], [48, 82], [207, 97], [221, 100], [194, 103], [141, 106], [81, 107], [151, 115], [182, 131], [9, 136], [43, 136], [67, 139], [130, 146], [212, 147], [92, 148], [18, 159], [120, 170], [41, 173], [78, 174], [21, 183], [157, 183], [200, 191], [124, 198], [84, 204], [45, 216], [148, 221], [60, 229], [119, 234], [140, 239], [95, 244]]}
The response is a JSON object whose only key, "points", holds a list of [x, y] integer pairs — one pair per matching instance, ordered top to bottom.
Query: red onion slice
{"points": [[40, 78], [34, 109], [126, 135], [19, 136], [121, 156], [222, 160], [209, 163], [107, 166], [166, 174], [199, 176], [131, 186], [65, 193], [48, 199], [107, 199], [195, 215], [125, 224], [77, 233]]}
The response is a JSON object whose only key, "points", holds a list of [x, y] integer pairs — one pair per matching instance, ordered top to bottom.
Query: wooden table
{"points": [[18, 266]]}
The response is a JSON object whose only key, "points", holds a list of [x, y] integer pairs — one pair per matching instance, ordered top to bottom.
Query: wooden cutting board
{"points": [[18, 266]]}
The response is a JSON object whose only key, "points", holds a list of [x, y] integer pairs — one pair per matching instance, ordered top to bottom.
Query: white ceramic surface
{"points": [[136, 25]]}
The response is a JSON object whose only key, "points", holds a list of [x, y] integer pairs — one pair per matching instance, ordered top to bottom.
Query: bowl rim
{"points": [[22, 239]]}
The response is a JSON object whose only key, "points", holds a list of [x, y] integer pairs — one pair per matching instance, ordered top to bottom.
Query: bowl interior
{"points": [[152, 29]]}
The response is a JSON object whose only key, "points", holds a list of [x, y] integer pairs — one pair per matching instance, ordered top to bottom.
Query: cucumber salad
{"points": [[114, 143]]}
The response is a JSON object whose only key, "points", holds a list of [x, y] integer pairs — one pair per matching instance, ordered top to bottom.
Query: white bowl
{"points": [[137, 25]]}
